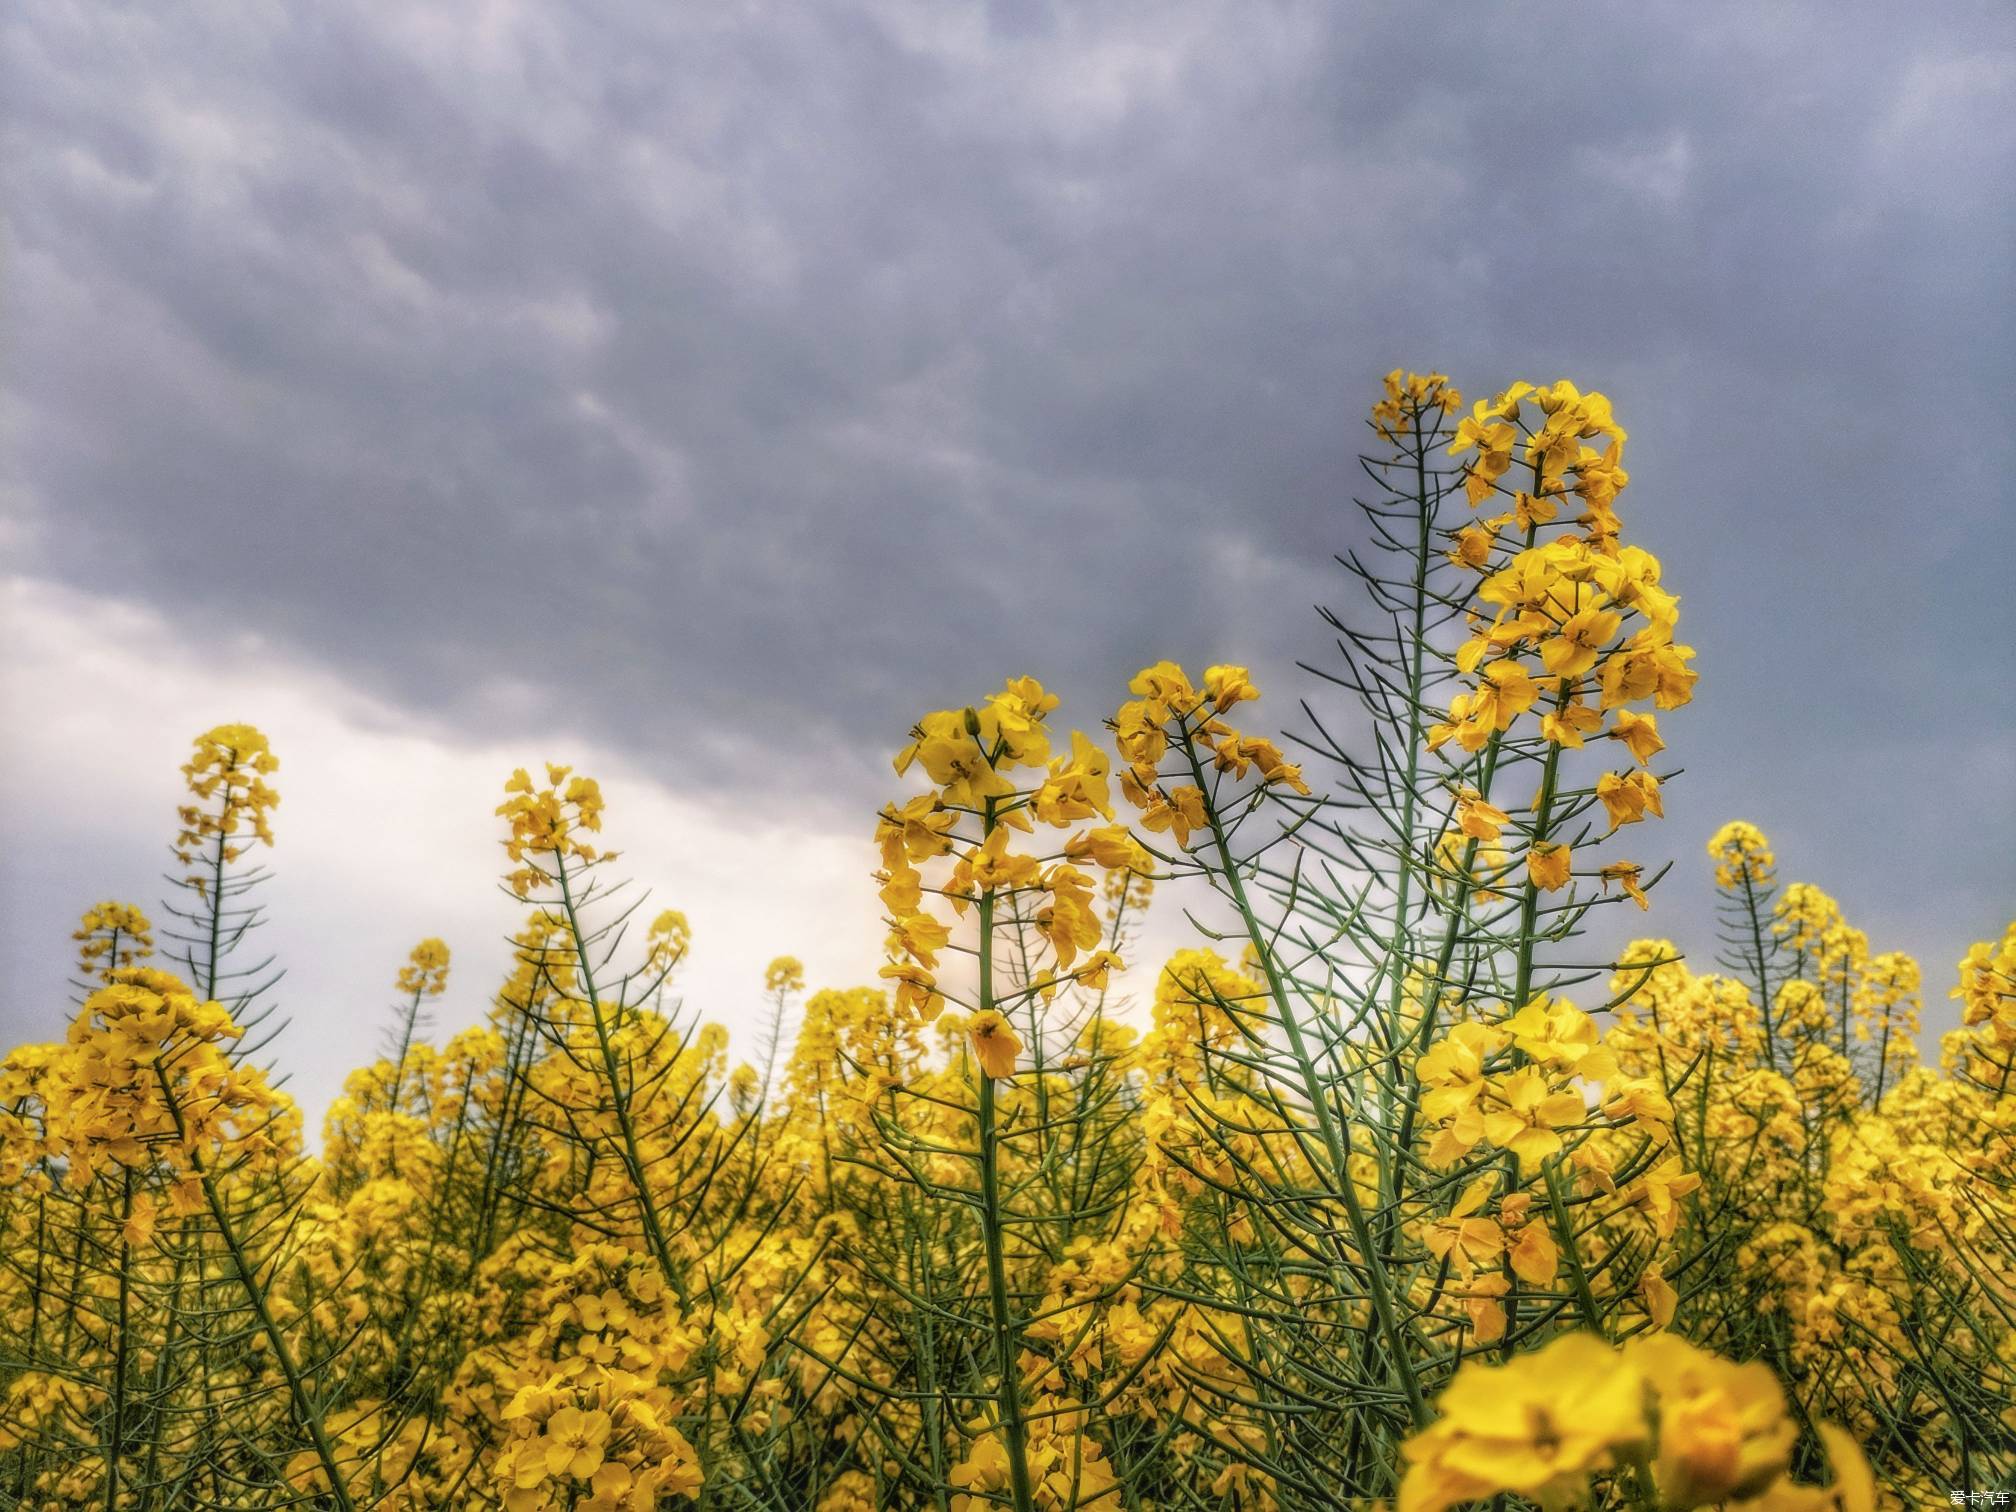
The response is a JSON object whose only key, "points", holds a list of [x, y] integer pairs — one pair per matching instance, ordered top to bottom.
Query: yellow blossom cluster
{"points": [[1170, 721], [230, 767], [995, 780], [547, 824], [111, 935], [425, 973], [1658, 1415]]}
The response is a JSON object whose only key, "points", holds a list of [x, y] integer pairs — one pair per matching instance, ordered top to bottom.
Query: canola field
{"points": [[1377, 1194]]}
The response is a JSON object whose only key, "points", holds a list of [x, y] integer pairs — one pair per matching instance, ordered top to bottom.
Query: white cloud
{"points": [[385, 832]]}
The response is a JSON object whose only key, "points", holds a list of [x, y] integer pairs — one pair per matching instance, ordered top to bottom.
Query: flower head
{"points": [[995, 1043]]}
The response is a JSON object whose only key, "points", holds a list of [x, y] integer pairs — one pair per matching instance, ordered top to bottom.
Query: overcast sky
{"points": [[700, 392]]}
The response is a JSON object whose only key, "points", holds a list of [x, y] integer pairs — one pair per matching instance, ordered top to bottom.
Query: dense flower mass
{"points": [[1376, 1194]]}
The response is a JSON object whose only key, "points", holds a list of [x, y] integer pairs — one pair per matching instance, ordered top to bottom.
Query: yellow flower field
{"points": [[1383, 1192]]}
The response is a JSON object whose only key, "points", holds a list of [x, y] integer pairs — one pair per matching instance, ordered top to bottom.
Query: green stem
{"points": [[216, 901], [1758, 960], [405, 1049], [1584, 1294], [1008, 1383], [116, 1445]]}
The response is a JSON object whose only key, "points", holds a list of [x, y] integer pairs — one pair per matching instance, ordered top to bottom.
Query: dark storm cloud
{"points": [[779, 372]]}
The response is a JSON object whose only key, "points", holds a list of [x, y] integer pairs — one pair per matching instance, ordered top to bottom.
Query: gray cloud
{"points": [[777, 374]]}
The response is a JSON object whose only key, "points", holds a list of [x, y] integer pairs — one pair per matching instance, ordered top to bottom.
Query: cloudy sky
{"points": [[700, 392]]}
